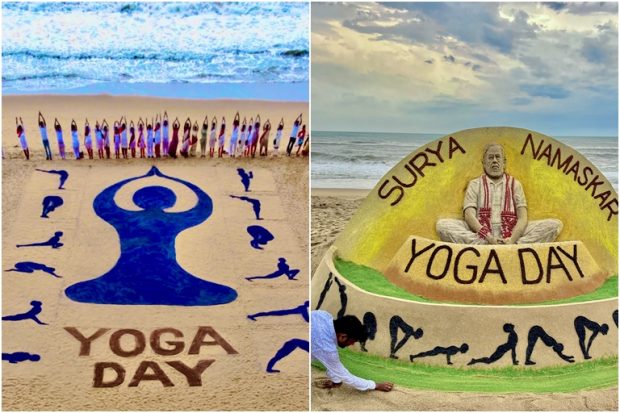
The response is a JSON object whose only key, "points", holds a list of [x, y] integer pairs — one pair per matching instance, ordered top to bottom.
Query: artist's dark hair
{"points": [[352, 327]]}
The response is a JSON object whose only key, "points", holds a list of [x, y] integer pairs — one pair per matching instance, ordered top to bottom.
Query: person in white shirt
{"points": [[327, 335]]}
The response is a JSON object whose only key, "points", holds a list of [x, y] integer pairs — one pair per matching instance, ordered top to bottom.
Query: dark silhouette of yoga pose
{"points": [[62, 174], [245, 178], [50, 203], [255, 204], [260, 236], [53, 242], [28, 267], [283, 269], [147, 272], [325, 290], [343, 298], [301, 310], [28, 315], [614, 315], [397, 323], [370, 324], [581, 324], [537, 332], [509, 345], [285, 350], [447, 351], [20, 356]]}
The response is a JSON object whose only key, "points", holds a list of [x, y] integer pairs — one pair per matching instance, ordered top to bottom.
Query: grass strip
{"points": [[592, 374]]}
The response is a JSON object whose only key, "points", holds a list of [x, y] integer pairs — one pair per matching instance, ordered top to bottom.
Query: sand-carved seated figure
{"points": [[495, 209]]}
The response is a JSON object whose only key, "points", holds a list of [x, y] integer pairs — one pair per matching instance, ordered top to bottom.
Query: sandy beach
{"points": [[331, 209], [152, 357]]}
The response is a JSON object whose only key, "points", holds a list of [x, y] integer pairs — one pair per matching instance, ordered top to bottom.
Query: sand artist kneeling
{"points": [[495, 209], [327, 335]]}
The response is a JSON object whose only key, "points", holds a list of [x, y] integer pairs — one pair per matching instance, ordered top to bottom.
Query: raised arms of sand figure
{"points": [[147, 272]]}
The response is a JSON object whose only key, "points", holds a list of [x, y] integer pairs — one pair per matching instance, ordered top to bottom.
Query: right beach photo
{"points": [[464, 210]]}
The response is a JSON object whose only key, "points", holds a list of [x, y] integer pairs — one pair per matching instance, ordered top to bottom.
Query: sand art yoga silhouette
{"points": [[62, 174], [245, 178], [50, 203], [255, 204], [260, 236], [53, 242], [28, 267], [283, 269], [147, 272], [302, 310], [28, 315], [397, 323], [581, 324], [536, 333], [509, 345], [285, 350], [447, 351], [20, 356]]}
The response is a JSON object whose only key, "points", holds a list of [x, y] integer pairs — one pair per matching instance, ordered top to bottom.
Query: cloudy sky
{"points": [[443, 67]]}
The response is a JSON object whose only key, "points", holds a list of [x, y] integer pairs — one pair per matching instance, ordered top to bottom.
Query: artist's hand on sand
{"points": [[327, 384], [384, 386]]}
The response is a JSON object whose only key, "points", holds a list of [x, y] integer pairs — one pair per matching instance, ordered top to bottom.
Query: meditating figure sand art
{"points": [[50, 203], [444, 254], [147, 272]]}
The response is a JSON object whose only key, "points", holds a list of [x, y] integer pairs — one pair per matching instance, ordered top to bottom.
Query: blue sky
{"points": [[444, 67]]}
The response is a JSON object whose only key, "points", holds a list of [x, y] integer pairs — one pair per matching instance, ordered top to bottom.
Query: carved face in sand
{"points": [[494, 161]]}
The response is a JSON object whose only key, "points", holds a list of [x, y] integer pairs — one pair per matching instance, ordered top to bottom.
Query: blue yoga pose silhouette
{"points": [[245, 178], [147, 272]]}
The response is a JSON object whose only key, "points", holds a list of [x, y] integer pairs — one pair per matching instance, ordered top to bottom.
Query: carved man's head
{"points": [[494, 160]]}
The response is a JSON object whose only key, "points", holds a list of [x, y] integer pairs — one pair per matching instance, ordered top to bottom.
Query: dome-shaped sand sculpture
{"points": [[549, 302]]}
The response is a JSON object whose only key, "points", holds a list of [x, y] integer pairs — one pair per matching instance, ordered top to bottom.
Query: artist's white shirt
{"points": [[324, 348]]}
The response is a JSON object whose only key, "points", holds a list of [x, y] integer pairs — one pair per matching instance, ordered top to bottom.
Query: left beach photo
{"points": [[155, 206]]}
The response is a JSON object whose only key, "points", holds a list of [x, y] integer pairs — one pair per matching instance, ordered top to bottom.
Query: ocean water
{"points": [[60, 46], [360, 159]]}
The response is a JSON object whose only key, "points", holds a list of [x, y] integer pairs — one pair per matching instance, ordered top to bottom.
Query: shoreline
{"points": [[256, 91], [345, 193]]}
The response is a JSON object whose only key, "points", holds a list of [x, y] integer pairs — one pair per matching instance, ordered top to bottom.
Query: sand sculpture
{"points": [[480, 305]]}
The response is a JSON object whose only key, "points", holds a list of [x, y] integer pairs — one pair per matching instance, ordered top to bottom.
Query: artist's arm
{"points": [[42, 119], [338, 373]]}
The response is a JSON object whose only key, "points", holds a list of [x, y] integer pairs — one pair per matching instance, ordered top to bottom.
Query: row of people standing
{"points": [[245, 139]]}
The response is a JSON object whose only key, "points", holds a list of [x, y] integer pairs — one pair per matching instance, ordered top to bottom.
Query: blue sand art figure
{"points": [[62, 174], [245, 178], [50, 203], [255, 204], [260, 236], [53, 242], [28, 267], [283, 269], [147, 272], [302, 310], [28, 315], [397, 323], [538, 333], [509, 345], [285, 350], [446, 351], [20, 356]]}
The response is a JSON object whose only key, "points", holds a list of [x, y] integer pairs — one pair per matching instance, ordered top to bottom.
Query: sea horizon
{"points": [[357, 160]]}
